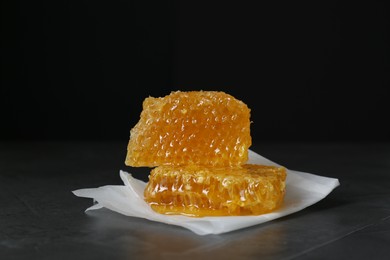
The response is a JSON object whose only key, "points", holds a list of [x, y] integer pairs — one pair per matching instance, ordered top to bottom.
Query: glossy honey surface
{"points": [[209, 128], [216, 191]]}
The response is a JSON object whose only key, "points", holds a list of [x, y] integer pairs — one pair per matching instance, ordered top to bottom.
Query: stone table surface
{"points": [[40, 218]]}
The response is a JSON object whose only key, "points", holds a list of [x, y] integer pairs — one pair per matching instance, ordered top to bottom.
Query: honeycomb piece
{"points": [[209, 128], [208, 191]]}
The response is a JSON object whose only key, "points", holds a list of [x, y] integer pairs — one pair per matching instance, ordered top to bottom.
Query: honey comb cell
{"points": [[209, 128], [211, 191]]}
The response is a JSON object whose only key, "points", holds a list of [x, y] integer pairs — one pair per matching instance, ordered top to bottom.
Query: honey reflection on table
{"points": [[145, 239]]}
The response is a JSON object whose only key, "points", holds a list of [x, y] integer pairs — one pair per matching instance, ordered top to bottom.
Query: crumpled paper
{"points": [[302, 190]]}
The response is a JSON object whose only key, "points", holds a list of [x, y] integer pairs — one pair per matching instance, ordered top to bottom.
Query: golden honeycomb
{"points": [[209, 128], [215, 191]]}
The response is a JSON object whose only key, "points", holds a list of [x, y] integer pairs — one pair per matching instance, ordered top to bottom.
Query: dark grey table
{"points": [[41, 219]]}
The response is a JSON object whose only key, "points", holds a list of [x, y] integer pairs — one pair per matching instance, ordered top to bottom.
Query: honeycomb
{"points": [[209, 128], [215, 191]]}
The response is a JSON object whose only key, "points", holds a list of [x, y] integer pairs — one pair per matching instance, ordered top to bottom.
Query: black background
{"points": [[79, 70]]}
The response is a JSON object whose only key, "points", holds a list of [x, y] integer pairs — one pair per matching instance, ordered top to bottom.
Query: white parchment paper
{"points": [[302, 190]]}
